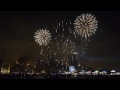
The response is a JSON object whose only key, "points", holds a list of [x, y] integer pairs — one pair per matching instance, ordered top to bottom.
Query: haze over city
{"points": [[17, 29]]}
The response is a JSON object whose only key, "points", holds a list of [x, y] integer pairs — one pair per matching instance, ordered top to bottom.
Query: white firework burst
{"points": [[85, 25], [42, 37], [68, 47]]}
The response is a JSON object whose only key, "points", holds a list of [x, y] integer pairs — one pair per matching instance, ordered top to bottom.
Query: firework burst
{"points": [[85, 25], [42, 37], [68, 47]]}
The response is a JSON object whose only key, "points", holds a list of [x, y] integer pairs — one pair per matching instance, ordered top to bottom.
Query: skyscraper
{"points": [[2, 58], [73, 61], [51, 64]]}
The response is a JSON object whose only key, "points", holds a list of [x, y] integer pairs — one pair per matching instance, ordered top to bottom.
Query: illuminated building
{"points": [[73, 61], [46, 65], [57, 65], [18, 66], [41, 66], [53, 66], [79, 67], [28, 68], [62, 68], [5, 70], [96, 72], [104, 72], [112, 72]]}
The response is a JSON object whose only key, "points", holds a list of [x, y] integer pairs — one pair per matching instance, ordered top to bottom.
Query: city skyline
{"points": [[18, 27]]}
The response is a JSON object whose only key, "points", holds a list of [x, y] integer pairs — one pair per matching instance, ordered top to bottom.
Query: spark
{"points": [[85, 25], [42, 37]]}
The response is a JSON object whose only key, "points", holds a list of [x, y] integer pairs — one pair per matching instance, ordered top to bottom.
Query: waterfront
{"points": [[42, 76]]}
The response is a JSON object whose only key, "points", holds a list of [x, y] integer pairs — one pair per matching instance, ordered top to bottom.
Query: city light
{"points": [[48, 45]]}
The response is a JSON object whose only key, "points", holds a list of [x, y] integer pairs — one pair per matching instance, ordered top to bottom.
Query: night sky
{"points": [[17, 29]]}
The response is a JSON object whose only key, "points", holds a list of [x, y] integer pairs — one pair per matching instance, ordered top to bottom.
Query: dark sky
{"points": [[18, 27]]}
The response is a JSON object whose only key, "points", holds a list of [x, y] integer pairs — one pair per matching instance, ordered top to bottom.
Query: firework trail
{"points": [[85, 25], [63, 28], [42, 37], [68, 47]]}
